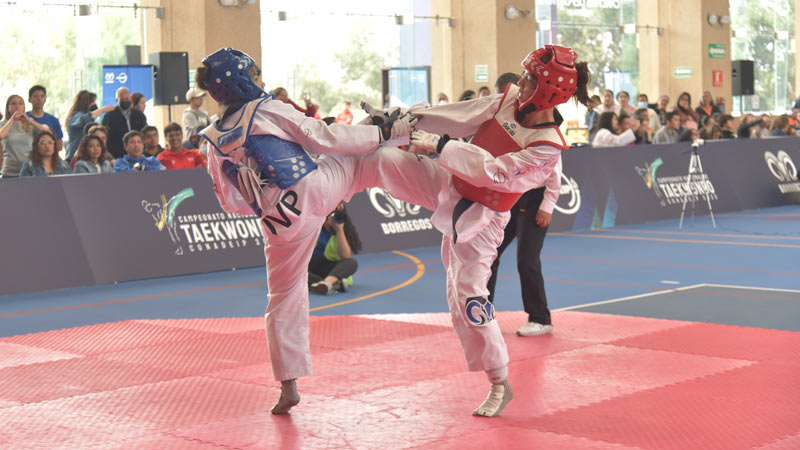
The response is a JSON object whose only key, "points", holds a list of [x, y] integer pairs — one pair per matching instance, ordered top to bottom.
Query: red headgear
{"points": [[554, 69]]}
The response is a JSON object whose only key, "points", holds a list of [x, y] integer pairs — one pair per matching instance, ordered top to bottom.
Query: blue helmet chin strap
{"points": [[229, 76]]}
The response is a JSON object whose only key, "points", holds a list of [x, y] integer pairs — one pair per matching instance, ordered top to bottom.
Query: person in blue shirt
{"points": [[37, 96], [134, 160], [332, 265]]}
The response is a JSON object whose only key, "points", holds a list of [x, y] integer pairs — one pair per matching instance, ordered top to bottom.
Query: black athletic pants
{"points": [[320, 267]]}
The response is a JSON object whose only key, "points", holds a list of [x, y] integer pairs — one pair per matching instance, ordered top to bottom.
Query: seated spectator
{"points": [[484, 91], [469, 94], [37, 96], [442, 99], [623, 99], [644, 103], [608, 104], [707, 106], [660, 107], [83, 112], [592, 115], [689, 118], [748, 122], [707, 124], [726, 124], [780, 127], [762, 130], [101, 132], [606, 133], [716, 133], [668, 134], [644, 135], [689, 135], [16, 136], [151, 145], [92, 156], [176, 156], [43, 159], [134, 159], [332, 264]]}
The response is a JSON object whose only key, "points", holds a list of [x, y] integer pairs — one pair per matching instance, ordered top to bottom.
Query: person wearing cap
{"points": [[194, 118]]}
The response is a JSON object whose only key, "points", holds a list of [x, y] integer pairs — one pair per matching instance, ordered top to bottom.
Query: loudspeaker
{"points": [[133, 55], [171, 77], [742, 77]]}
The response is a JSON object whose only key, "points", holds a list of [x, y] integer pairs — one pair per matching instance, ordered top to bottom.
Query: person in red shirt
{"points": [[345, 116], [176, 156]]}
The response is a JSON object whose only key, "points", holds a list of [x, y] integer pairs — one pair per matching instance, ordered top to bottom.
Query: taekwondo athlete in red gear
{"points": [[516, 147], [259, 162]]}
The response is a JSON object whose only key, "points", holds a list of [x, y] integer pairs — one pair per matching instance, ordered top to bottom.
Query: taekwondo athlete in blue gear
{"points": [[259, 162]]}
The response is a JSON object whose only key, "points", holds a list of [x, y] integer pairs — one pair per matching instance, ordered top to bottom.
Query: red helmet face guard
{"points": [[557, 80]]}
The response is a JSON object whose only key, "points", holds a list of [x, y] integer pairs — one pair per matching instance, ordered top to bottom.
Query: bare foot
{"points": [[289, 397]]}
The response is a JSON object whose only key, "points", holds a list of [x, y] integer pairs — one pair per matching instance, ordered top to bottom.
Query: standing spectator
{"points": [[484, 91], [469, 94], [37, 96], [623, 98], [139, 102], [608, 104], [707, 106], [660, 107], [311, 109], [83, 112], [592, 115], [652, 115], [345, 117], [194, 118], [689, 118], [120, 120], [726, 123], [780, 127], [607, 133], [668, 134], [644, 135], [16, 136], [151, 145], [91, 156], [175, 156], [134, 159], [43, 160], [530, 218], [332, 264]]}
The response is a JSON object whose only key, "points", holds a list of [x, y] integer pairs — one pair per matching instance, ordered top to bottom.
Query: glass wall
{"points": [[600, 31], [763, 32]]}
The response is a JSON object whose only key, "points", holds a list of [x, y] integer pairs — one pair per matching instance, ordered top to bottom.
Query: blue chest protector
{"points": [[280, 162]]}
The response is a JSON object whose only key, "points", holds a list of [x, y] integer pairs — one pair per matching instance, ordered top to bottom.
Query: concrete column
{"points": [[199, 28]]}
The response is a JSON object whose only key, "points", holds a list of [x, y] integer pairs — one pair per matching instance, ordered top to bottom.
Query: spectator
{"points": [[484, 91], [469, 94], [37, 96], [623, 98], [442, 99], [139, 102], [608, 104], [707, 106], [660, 108], [311, 109], [83, 112], [592, 115], [652, 115], [345, 117], [194, 118], [689, 118], [120, 120], [748, 122], [707, 124], [726, 125], [780, 127], [763, 128], [607, 132], [716, 133], [668, 134], [644, 135], [689, 135], [16, 136], [194, 141], [151, 145], [91, 156], [175, 156], [134, 159], [43, 160], [332, 264]]}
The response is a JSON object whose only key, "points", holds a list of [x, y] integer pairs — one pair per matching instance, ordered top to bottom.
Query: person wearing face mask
{"points": [[83, 112], [653, 118], [120, 120]]}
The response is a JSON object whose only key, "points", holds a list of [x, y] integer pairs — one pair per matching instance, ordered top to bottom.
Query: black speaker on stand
{"points": [[171, 78], [742, 80]]}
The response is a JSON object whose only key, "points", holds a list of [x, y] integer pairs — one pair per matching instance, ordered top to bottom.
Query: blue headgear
{"points": [[229, 78]]}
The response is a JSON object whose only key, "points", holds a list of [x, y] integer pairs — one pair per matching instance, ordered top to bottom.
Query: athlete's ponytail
{"points": [[584, 76]]}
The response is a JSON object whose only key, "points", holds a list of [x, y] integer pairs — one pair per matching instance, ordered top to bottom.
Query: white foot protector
{"points": [[497, 399]]}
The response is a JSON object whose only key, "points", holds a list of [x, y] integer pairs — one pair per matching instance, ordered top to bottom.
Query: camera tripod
{"points": [[695, 169]]}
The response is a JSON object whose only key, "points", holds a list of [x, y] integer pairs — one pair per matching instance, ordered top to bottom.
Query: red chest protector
{"points": [[500, 135]]}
